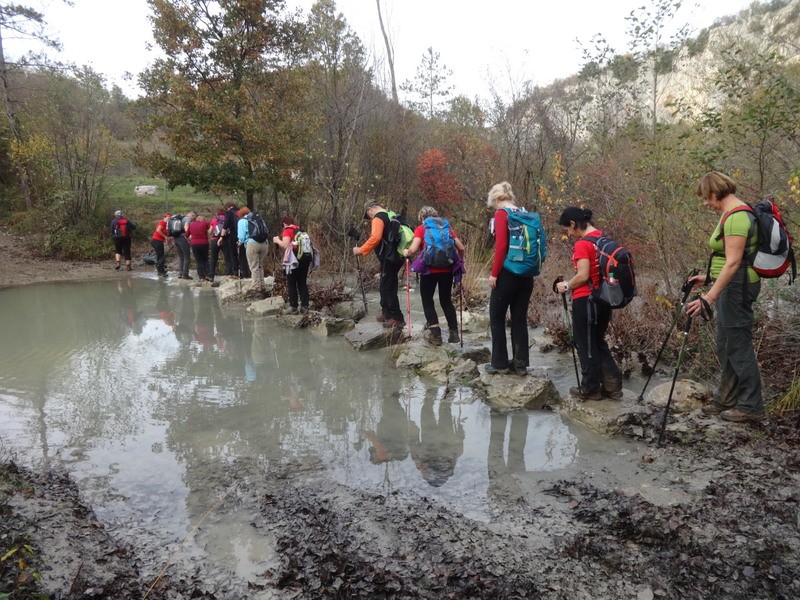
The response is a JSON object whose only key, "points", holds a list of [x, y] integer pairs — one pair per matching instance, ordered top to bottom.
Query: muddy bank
{"points": [[730, 527]]}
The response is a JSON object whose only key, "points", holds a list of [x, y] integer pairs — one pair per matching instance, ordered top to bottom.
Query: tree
{"points": [[430, 86], [226, 99], [438, 186]]}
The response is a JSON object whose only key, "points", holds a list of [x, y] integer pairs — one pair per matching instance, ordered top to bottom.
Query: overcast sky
{"points": [[503, 40]]}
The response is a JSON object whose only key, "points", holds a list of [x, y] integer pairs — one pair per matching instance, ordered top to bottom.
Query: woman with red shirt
{"points": [[197, 234], [157, 242], [433, 277], [296, 281], [508, 291], [601, 377]]}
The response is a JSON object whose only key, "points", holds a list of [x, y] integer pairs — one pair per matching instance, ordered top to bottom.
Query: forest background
{"points": [[287, 114]]}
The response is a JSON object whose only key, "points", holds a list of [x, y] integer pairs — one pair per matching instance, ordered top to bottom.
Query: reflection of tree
{"points": [[441, 442], [502, 485]]}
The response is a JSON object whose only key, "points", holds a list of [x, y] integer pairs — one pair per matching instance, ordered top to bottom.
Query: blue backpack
{"points": [[526, 243], [440, 247]]}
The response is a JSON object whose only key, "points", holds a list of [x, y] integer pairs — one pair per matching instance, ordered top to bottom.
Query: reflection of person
{"points": [[121, 229], [157, 242], [433, 277], [297, 279], [735, 286], [508, 291], [129, 314], [391, 315], [600, 375], [392, 435], [440, 445], [502, 484]]}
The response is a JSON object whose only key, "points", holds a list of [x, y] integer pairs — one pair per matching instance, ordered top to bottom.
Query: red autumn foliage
{"points": [[438, 186]]}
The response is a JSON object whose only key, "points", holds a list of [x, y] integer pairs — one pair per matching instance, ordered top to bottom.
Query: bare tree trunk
{"points": [[389, 54], [22, 174]]}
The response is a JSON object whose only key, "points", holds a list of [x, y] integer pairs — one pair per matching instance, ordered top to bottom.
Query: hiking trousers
{"points": [[158, 247], [214, 250], [200, 252], [184, 255], [256, 255], [297, 282], [427, 287], [511, 292], [390, 303], [599, 371], [740, 381]]}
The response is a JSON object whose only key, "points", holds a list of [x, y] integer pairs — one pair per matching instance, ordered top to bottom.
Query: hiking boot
{"points": [[116, 267], [129, 268], [162, 273], [303, 310], [292, 311], [381, 318], [394, 324], [433, 336], [452, 337], [490, 369], [521, 370], [577, 392], [612, 395], [713, 408], [734, 415]]}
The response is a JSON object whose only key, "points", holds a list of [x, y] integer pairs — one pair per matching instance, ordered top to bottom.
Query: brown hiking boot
{"points": [[381, 318], [433, 336], [452, 337], [577, 392], [714, 409], [734, 415]]}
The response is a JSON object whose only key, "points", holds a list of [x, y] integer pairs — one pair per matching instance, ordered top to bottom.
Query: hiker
{"points": [[121, 229], [197, 233], [157, 242], [229, 243], [215, 245], [182, 246], [241, 247], [438, 247], [254, 252], [390, 263], [297, 278], [734, 288], [508, 291], [600, 375]]}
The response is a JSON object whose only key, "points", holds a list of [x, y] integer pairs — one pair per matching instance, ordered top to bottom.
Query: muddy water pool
{"points": [[144, 392]]}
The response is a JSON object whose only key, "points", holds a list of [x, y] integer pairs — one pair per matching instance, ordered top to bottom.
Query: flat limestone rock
{"points": [[266, 307], [353, 310], [328, 326], [372, 336], [512, 392], [687, 396], [604, 416]]}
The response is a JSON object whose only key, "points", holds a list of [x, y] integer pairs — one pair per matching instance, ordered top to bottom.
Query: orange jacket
{"points": [[375, 236]]}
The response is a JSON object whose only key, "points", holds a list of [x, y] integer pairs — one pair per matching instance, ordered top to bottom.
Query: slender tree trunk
{"points": [[389, 54], [13, 128]]}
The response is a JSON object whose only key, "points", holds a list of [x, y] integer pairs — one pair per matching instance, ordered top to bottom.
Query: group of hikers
{"points": [[519, 250]]}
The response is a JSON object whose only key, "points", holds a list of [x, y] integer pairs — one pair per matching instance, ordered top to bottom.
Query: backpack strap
{"points": [[721, 236]]}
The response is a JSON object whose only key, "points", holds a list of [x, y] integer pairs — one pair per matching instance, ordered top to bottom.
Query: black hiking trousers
{"points": [[427, 288], [511, 292], [390, 303], [599, 371]]}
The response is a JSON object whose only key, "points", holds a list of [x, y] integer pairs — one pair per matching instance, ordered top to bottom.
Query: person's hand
{"points": [[356, 251], [697, 281], [492, 282], [562, 287], [695, 307]]}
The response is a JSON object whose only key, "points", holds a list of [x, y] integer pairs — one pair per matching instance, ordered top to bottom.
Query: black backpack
{"points": [[175, 226], [257, 229], [617, 276]]}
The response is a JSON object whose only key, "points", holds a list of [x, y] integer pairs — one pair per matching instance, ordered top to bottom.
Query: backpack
{"points": [[175, 225], [122, 228], [216, 228], [257, 229], [398, 236], [302, 242], [527, 246], [440, 247], [774, 252], [617, 274]]}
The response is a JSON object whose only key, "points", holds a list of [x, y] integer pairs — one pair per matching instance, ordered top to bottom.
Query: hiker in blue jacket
{"points": [[438, 244]]}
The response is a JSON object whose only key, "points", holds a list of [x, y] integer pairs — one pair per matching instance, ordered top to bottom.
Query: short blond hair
{"points": [[715, 183], [498, 193], [425, 212]]}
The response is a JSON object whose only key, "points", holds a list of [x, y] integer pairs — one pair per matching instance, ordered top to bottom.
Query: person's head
{"points": [[715, 186], [500, 192], [230, 206], [370, 208], [427, 211], [220, 212], [243, 212], [118, 214], [192, 215], [167, 216], [200, 218], [287, 220], [575, 220]]}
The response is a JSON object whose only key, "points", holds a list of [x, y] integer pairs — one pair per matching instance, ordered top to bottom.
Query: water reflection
{"points": [[148, 392]]}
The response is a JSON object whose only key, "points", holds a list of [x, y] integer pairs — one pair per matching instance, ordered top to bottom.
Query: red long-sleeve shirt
{"points": [[500, 241]]}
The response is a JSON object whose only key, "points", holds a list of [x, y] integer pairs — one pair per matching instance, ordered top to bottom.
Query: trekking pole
{"points": [[353, 233], [686, 289], [408, 295], [461, 311], [706, 314], [568, 325]]}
